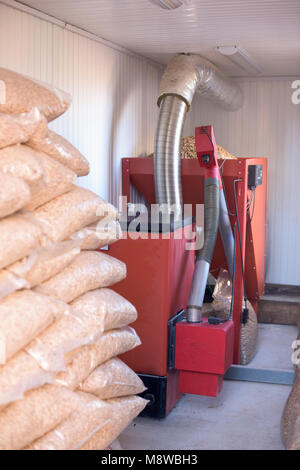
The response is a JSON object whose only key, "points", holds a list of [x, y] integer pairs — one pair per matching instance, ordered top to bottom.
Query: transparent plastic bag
{"points": [[23, 93], [17, 129], [188, 150], [62, 151], [24, 163], [58, 180], [14, 194], [72, 211], [99, 234], [19, 236], [44, 263], [89, 271], [10, 283], [222, 294], [221, 308], [115, 311], [23, 315], [68, 333], [249, 335], [81, 362], [19, 375], [113, 379], [125, 409], [40, 410], [90, 416], [290, 421]]}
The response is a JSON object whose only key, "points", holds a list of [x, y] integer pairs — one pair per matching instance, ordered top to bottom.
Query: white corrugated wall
{"points": [[114, 110], [114, 114], [266, 126]]}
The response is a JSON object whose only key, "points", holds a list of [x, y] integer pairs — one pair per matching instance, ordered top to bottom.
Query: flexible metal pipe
{"points": [[188, 73], [185, 75], [167, 153], [226, 232], [204, 256]]}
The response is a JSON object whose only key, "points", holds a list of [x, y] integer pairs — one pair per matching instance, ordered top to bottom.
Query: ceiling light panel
{"points": [[168, 4], [240, 58]]}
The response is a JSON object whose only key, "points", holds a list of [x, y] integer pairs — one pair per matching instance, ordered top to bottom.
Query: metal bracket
{"points": [[172, 337], [251, 374]]}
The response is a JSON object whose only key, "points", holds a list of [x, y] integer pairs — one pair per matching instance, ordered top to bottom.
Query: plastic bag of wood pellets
{"points": [[23, 93], [18, 129], [188, 149], [61, 150], [23, 162], [58, 180], [14, 194], [72, 211], [97, 235], [19, 236], [44, 263], [90, 270], [10, 283], [222, 295], [221, 307], [115, 311], [23, 315], [68, 333], [249, 334], [81, 362], [20, 374], [113, 379], [125, 409], [40, 410], [290, 421], [72, 433]]}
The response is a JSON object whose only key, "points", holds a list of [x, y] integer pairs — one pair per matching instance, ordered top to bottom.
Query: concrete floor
{"points": [[274, 347], [245, 416]]}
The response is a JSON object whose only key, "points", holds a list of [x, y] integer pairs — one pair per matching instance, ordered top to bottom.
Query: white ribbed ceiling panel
{"points": [[269, 30]]}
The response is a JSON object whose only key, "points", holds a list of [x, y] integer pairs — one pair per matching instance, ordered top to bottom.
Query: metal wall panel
{"points": [[114, 109], [266, 126]]}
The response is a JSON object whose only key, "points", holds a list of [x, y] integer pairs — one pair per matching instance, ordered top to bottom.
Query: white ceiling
{"points": [[269, 30]]}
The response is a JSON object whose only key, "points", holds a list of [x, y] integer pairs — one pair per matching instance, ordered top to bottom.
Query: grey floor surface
{"points": [[274, 349], [245, 416]]}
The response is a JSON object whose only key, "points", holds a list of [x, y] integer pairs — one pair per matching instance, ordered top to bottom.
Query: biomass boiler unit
{"points": [[182, 352]]}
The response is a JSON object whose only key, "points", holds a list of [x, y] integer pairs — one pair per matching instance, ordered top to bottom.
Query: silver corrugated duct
{"points": [[188, 73], [184, 75], [167, 153], [226, 232], [204, 256]]}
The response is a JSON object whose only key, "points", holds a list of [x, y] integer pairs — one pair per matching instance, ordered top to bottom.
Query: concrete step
{"points": [[280, 289], [279, 308]]}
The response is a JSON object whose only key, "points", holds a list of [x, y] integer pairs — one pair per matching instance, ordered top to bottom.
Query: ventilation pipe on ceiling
{"points": [[184, 75]]}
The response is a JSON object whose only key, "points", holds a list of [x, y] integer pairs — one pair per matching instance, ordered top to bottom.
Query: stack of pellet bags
{"points": [[61, 327]]}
